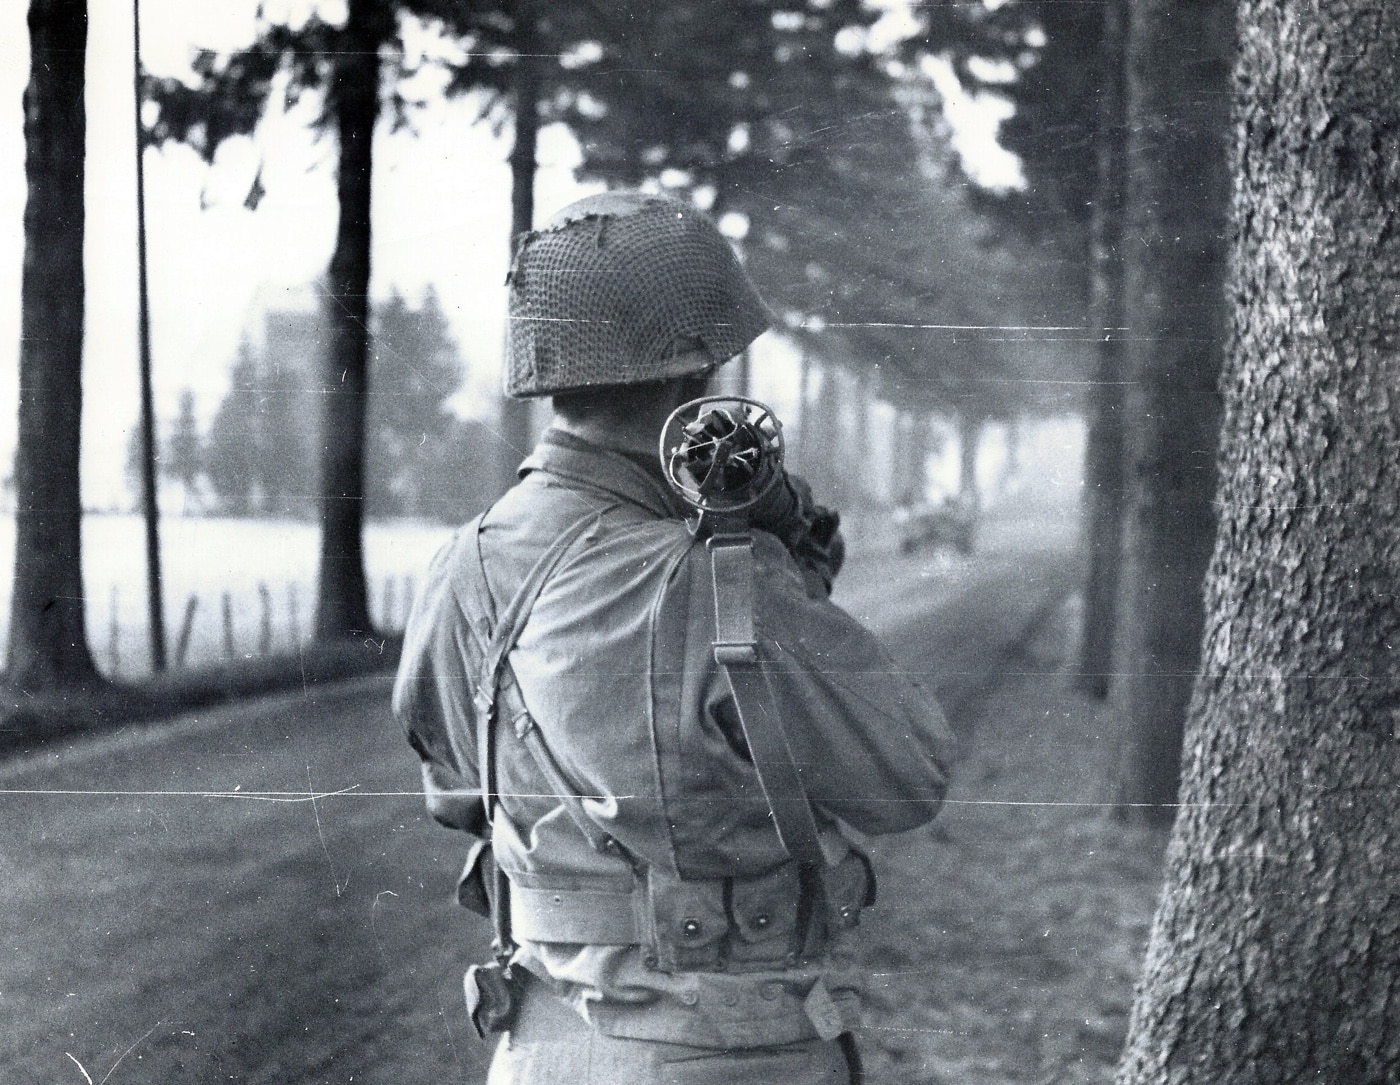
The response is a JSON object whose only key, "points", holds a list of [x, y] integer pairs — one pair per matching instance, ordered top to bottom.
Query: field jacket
{"points": [[616, 670]]}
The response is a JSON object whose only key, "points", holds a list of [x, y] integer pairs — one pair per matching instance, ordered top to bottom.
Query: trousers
{"points": [[550, 1044]]}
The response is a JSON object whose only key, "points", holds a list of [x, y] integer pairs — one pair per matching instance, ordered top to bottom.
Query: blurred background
{"points": [[933, 333]]}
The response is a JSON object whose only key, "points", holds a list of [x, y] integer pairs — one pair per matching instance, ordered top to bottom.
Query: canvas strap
{"points": [[504, 630], [736, 650]]}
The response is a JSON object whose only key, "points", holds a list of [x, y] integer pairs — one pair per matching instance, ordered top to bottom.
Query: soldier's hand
{"points": [[811, 532], [822, 550]]}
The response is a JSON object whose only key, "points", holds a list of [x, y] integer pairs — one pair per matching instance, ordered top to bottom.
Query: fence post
{"points": [[292, 618], [228, 626], [114, 635], [265, 637], [182, 646]]}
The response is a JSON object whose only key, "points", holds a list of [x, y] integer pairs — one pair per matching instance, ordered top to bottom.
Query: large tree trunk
{"points": [[1174, 264], [514, 421], [1103, 454], [342, 607], [48, 634], [1275, 956]]}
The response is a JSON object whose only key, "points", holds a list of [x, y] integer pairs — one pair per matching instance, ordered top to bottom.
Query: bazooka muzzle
{"points": [[621, 288]]}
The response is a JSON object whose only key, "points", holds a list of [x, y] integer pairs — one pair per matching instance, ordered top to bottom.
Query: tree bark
{"points": [[1174, 265], [515, 435], [1103, 454], [342, 606], [48, 633], [1275, 955]]}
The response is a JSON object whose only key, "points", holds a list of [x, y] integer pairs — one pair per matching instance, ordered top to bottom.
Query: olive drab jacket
{"points": [[659, 901]]}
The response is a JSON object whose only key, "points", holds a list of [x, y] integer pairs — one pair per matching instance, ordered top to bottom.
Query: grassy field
{"points": [[266, 567]]}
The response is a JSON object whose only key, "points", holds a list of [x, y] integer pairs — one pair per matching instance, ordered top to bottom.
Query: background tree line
{"points": [[258, 454]]}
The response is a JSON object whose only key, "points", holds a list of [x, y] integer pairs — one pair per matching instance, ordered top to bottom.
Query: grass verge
{"points": [[29, 721], [1010, 933]]}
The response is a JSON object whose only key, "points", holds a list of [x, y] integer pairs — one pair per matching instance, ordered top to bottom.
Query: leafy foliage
{"points": [[1045, 58], [231, 92], [862, 236], [416, 370], [258, 449], [420, 459]]}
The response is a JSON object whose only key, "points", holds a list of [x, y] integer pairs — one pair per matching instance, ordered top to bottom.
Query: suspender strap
{"points": [[474, 598], [736, 650]]}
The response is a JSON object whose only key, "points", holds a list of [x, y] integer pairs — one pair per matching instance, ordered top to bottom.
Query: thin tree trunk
{"points": [[1178, 186], [514, 421], [803, 422], [914, 427], [969, 441], [828, 445], [862, 453], [1103, 454], [1010, 473], [150, 482], [342, 606], [48, 643], [1275, 955]]}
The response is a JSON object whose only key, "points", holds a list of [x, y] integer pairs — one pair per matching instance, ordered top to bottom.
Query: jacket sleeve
{"points": [[433, 702], [873, 746]]}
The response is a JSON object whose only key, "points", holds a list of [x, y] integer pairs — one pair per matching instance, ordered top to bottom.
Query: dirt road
{"points": [[254, 896]]}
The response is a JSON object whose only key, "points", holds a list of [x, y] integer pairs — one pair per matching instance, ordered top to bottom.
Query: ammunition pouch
{"points": [[719, 925]]}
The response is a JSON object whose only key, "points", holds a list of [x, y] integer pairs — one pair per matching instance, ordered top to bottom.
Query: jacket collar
{"points": [[570, 458]]}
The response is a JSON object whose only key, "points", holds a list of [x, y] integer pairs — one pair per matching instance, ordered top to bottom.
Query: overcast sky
{"points": [[441, 217]]}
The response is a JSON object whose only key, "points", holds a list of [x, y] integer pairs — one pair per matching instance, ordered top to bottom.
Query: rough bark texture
{"points": [[1174, 265], [514, 422], [1103, 454], [342, 606], [48, 635], [1275, 956]]}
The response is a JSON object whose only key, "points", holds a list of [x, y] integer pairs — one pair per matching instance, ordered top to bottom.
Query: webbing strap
{"points": [[507, 630], [736, 651]]}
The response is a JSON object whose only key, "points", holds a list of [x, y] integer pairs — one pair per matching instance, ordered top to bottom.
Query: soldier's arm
{"points": [[432, 702], [874, 747]]}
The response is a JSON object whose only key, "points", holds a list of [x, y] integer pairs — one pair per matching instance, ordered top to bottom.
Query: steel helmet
{"points": [[625, 287]]}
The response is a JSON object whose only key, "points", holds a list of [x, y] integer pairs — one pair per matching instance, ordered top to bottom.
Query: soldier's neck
{"points": [[638, 436]]}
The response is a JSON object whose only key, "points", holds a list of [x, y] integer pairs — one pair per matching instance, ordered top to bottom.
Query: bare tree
{"points": [[48, 633], [1275, 956]]}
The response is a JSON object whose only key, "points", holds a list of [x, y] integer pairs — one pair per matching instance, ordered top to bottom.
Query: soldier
{"points": [[565, 685]]}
